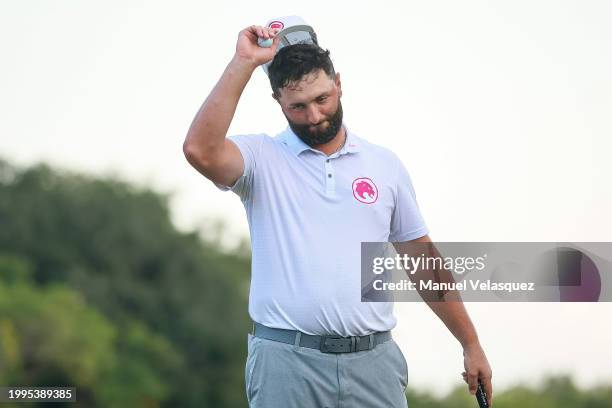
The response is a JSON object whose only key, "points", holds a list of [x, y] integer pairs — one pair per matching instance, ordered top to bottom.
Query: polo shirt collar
{"points": [[297, 146]]}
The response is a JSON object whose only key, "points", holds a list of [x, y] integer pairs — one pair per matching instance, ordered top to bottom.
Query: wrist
{"points": [[243, 64], [470, 344]]}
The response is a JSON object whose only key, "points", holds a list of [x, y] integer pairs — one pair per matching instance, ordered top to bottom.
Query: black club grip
{"points": [[481, 396]]}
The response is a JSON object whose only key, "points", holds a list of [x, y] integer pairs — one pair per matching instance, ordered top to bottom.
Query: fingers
{"points": [[263, 32], [275, 42], [472, 380], [486, 383], [488, 387]]}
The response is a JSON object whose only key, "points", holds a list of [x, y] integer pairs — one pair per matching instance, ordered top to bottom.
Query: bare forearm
{"points": [[209, 127], [447, 305], [454, 315]]}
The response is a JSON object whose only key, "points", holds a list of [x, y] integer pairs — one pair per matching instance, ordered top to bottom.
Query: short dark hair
{"points": [[293, 62]]}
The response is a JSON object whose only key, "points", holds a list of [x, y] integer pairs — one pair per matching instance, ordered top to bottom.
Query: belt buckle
{"points": [[337, 344]]}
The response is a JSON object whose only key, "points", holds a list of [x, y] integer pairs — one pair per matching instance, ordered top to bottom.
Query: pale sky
{"points": [[500, 111]]}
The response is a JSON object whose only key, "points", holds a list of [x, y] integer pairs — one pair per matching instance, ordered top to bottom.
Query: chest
{"points": [[352, 188]]}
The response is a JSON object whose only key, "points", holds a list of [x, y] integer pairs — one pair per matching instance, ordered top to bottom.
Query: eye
{"points": [[321, 99], [297, 107]]}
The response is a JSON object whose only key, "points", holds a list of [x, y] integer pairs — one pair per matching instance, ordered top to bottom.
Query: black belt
{"points": [[326, 344]]}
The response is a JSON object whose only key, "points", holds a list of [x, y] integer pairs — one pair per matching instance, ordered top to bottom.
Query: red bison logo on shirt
{"points": [[364, 190]]}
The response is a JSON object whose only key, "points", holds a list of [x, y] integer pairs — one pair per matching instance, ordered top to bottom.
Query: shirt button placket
{"points": [[330, 180]]}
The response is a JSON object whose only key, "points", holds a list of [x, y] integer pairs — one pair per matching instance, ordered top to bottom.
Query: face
{"points": [[313, 108]]}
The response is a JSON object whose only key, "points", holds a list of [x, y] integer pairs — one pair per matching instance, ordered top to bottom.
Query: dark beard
{"points": [[318, 138]]}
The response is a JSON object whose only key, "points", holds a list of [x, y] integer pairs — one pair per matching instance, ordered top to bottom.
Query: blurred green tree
{"points": [[115, 244], [50, 336], [553, 392]]}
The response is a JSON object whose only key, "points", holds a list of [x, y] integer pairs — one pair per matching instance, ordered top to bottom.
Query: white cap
{"points": [[294, 30]]}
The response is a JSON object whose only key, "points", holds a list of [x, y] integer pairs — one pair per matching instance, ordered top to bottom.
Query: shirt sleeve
{"points": [[250, 149], [406, 221]]}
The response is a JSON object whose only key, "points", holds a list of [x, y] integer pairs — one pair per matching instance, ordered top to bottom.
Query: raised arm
{"points": [[205, 146]]}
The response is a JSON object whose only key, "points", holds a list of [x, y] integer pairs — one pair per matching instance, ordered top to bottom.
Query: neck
{"points": [[333, 145]]}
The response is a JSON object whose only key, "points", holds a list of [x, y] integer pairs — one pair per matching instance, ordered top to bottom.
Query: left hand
{"points": [[476, 366]]}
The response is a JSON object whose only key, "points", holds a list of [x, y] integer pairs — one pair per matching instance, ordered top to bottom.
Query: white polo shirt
{"points": [[308, 214]]}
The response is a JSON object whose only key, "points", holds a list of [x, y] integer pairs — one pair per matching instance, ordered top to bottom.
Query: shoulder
{"points": [[249, 138], [259, 138], [256, 142], [375, 151]]}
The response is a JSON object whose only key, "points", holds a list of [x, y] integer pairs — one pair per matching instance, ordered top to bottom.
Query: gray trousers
{"points": [[289, 376]]}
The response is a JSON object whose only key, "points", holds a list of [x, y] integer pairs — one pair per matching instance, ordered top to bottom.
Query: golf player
{"points": [[312, 194]]}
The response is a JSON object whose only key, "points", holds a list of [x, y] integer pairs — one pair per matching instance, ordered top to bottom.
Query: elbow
{"points": [[189, 150], [196, 156]]}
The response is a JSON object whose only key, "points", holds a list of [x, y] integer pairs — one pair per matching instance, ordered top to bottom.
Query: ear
{"points": [[338, 84], [275, 98]]}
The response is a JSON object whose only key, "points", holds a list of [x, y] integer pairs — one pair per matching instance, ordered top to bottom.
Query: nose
{"points": [[313, 115]]}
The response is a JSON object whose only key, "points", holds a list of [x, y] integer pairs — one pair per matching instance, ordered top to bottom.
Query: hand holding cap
{"points": [[291, 30]]}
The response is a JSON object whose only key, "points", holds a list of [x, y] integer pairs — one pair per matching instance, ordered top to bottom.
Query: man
{"points": [[312, 194]]}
